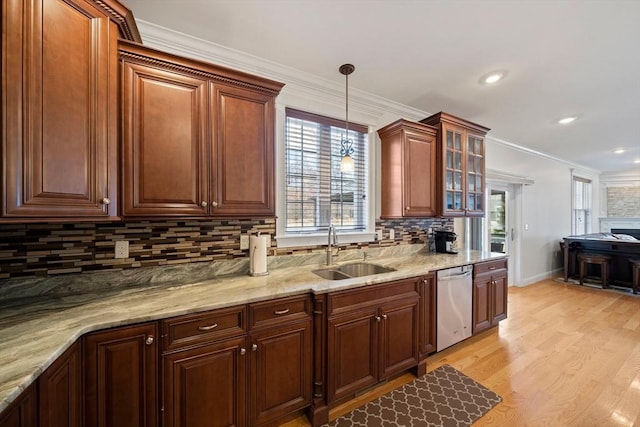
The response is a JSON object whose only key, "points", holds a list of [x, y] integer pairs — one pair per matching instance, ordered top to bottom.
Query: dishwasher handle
{"points": [[455, 276]]}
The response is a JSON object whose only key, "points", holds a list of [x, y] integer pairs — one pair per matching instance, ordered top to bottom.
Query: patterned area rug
{"points": [[443, 397]]}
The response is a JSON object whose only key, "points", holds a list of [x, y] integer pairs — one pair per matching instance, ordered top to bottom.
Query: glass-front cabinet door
{"points": [[461, 153], [454, 172], [475, 175]]}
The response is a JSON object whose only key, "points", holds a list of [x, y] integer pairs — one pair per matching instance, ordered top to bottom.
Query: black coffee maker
{"points": [[446, 241]]}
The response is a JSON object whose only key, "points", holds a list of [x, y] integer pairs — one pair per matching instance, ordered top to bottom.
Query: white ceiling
{"points": [[563, 57]]}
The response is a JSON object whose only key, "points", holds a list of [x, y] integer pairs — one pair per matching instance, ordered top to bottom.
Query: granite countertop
{"points": [[36, 330]]}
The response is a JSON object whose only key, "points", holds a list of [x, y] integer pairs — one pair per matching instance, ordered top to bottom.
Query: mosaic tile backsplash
{"points": [[40, 250]]}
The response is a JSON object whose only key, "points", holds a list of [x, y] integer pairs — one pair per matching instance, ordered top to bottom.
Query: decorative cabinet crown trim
{"points": [[122, 16], [134, 52]]}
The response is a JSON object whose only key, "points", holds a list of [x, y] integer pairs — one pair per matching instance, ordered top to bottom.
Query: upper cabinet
{"points": [[59, 107], [198, 140], [461, 169], [408, 170]]}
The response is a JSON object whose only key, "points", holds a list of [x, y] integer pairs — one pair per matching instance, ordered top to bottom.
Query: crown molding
{"points": [[300, 83], [374, 110], [544, 155]]}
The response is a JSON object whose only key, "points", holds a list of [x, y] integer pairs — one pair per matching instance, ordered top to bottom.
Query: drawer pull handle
{"points": [[492, 268], [281, 312], [207, 328]]}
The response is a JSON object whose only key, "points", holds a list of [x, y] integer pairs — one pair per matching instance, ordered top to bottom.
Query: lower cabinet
{"points": [[489, 294], [427, 323], [372, 334], [230, 368], [280, 372], [120, 377], [206, 386], [59, 391], [22, 412]]}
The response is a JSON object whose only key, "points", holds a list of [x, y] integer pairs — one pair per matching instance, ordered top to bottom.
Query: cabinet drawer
{"points": [[489, 266], [375, 294], [279, 311], [192, 329]]}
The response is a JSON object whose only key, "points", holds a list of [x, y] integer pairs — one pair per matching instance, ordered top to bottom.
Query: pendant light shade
{"points": [[346, 145]]}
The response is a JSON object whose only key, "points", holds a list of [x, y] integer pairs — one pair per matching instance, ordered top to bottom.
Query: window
{"points": [[317, 194], [581, 219]]}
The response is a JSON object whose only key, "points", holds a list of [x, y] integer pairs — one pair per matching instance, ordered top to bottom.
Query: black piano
{"points": [[620, 244]]}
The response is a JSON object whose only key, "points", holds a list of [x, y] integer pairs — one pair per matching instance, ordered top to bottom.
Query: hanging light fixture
{"points": [[346, 145]]}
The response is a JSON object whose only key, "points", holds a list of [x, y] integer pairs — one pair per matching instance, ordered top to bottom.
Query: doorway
{"points": [[501, 224]]}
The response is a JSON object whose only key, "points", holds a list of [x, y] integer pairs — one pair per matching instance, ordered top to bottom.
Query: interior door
{"points": [[501, 223]]}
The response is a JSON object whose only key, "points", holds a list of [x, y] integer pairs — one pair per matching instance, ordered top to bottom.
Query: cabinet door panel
{"points": [[59, 97], [165, 142], [243, 157], [420, 163], [499, 299], [481, 305], [428, 316], [399, 339], [352, 354], [280, 371], [121, 377], [206, 386], [59, 391], [22, 412]]}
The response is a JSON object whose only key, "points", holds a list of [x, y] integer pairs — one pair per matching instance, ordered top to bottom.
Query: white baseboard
{"points": [[538, 277]]}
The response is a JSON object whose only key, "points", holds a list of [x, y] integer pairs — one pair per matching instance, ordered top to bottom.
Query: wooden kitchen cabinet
{"points": [[59, 101], [198, 140], [243, 152], [461, 165], [408, 170], [489, 294], [427, 321], [372, 334], [205, 369], [221, 369], [120, 377], [206, 386], [59, 391], [22, 412]]}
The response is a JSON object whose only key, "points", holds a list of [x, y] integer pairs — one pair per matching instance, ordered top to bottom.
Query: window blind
{"points": [[317, 193]]}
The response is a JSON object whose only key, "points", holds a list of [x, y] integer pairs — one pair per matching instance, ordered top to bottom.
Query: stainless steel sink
{"points": [[347, 271]]}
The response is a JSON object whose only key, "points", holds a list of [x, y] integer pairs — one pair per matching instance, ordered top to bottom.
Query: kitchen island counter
{"points": [[37, 328]]}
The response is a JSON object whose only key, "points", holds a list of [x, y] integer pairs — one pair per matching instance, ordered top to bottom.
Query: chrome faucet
{"points": [[332, 233]]}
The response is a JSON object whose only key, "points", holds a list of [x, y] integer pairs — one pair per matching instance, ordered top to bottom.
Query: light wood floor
{"points": [[567, 356]]}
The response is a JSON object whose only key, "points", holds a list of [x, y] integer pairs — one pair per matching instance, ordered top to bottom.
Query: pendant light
{"points": [[346, 145]]}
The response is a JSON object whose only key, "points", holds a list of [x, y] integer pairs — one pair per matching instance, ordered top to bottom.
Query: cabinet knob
{"points": [[106, 201], [203, 204], [214, 204], [408, 208], [384, 316], [378, 318], [149, 340], [254, 347], [243, 351]]}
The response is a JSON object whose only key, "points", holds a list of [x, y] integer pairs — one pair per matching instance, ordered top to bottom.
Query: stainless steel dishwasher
{"points": [[455, 289]]}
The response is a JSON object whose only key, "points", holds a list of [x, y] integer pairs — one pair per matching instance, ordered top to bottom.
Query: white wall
{"points": [[546, 203]]}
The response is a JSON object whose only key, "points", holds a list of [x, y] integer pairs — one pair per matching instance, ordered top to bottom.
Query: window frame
{"points": [[574, 209], [296, 239]]}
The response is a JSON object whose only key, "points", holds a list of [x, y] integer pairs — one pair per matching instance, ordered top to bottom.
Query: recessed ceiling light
{"points": [[493, 77], [567, 120], [619, 151], [636, 161]]}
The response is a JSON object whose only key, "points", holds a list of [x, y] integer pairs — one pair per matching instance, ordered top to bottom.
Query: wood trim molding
{"points": [[137, 53]]}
